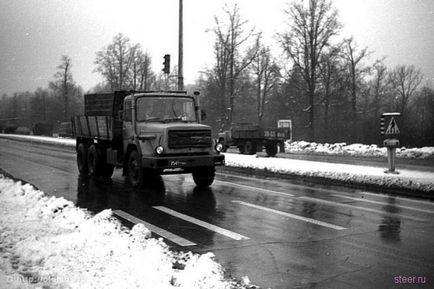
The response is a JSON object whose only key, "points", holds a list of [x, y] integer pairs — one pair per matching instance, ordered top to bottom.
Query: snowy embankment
{"points": [[360, 150], [344, 173], [47, 242]]}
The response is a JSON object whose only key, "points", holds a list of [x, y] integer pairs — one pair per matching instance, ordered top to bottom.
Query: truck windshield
{"points": [[165, 109]]}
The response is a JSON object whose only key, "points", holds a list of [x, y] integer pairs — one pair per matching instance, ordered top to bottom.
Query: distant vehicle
{"points": [[43, 128], [10, 129], [65, 129], [23, 130], [145, 133], [251, 138]]}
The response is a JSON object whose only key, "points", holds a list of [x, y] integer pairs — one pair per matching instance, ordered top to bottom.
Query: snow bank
{"points": [[356, 150], [413, 180], [47, 242]]}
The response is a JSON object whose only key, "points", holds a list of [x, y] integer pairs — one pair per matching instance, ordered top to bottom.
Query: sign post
{"points": [[286, 126], [390, 130]]}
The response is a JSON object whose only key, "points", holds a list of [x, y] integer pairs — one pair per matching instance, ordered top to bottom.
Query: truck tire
{"points": [[250, 147], [241, 148], [271, 149], [82, 159], [94, 161], [135, 171], [204, 177]]}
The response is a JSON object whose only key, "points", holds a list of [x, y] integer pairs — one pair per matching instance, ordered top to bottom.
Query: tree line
{"points": [[323, 82], [326, 84]]}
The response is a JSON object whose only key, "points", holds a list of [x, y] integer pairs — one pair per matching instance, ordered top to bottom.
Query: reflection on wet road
{"points": [[282, 234]]}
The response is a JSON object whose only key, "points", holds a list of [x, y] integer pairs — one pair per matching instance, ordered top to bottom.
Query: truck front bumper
{"points": [[182, 162]]}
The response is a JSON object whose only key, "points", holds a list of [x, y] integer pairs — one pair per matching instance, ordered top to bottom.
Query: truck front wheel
{"points": [[250, 147], [82, 159], [135, 171], [204, 177]]}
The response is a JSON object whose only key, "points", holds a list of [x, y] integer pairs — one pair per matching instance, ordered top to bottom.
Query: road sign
{"points": [[389, 124], [393, 127]]}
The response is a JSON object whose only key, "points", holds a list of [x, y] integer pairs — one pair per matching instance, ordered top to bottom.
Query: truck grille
{"points": [[189, 138]]}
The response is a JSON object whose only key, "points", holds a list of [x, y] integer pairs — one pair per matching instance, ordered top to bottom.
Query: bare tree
{"points": [[310, 30], [230, 60], [114, 62], [355, 68], [141, 73], [267, 74], [329, 76], [404, 80], [64, 84], [379, 85]]}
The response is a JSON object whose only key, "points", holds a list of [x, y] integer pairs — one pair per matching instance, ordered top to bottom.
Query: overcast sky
{"points": [[34, 34]]}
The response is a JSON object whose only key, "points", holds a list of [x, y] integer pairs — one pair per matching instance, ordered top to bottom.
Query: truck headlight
{"points": [[218, 147], [159, 150]]}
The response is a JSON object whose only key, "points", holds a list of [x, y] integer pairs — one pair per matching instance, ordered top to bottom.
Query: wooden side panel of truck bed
{"points": [[98, 127]]}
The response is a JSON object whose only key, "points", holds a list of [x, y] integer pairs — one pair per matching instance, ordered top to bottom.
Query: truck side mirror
{"points": [[202, 115]]}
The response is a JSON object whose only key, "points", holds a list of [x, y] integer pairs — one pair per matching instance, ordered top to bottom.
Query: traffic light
{"points": [[166, 64]]}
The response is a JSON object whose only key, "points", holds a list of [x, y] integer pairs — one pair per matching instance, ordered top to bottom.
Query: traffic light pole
{"points": [[180, 49]]}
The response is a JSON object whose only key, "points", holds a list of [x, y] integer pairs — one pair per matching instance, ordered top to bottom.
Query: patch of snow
{"points": [[356, 150], [409, 179], [47, 242]]}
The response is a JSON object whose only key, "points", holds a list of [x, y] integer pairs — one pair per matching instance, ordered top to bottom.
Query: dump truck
{"points": [[145, 133], [252, 138]]}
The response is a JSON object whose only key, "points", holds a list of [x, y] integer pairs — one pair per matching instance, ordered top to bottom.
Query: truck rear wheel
{"points": [[271, 149], [82, 159], [93, 161], [135, 171], [204, 177]]}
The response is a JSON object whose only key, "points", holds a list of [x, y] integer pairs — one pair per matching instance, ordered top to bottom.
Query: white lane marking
{"points": [[254, 188], [384, 203], [428, 203], [360, 208], [289, 215], [198, 222], [163, 233]]}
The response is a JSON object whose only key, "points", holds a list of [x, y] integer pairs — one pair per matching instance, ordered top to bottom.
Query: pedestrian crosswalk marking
{"points": [[393, 127], [289, 215], [201, 223], [157, 230]]}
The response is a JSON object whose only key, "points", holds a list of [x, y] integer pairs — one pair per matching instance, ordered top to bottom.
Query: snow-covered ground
{"points": [[356, 150], [47, 242]]}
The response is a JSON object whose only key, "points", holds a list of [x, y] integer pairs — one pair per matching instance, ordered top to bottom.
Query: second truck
{"points": [[145, 133]]}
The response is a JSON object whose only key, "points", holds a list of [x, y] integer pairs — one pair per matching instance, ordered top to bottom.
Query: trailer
{"points": [[252, 138]]}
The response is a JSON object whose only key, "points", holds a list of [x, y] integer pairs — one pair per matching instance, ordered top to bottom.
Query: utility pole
{"points": [[180, 50]]}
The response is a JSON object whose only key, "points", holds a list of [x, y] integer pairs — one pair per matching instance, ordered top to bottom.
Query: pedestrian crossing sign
{"points": [[392, 127]]}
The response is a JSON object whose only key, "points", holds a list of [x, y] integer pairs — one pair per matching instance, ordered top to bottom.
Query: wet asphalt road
{"points": [[280, 233]]}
